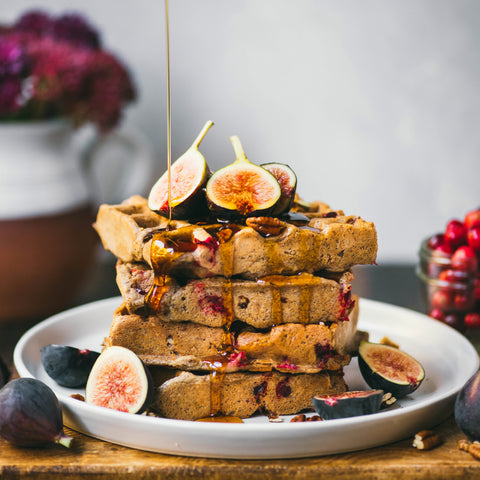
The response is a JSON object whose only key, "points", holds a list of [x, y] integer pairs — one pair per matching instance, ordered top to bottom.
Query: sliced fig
{"points": [[188, 177], [288, 184], [242, 189], [68, 366], [390, 369], [119, 380], [348, 404], [467, 408], [30, 415]]}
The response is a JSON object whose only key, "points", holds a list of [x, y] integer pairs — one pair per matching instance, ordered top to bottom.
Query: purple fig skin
{"points": [[68, 366], [348, 404], [467, 408], [30, 415]]}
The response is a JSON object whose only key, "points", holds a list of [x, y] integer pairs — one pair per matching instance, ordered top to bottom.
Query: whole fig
{"points": [[68, 366], [467, 408], [30, 415]]}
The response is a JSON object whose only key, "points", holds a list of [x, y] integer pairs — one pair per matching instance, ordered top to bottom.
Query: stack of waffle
{"points": [[237, 319]]}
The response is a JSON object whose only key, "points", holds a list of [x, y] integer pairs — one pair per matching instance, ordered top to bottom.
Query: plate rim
{"points": [[218, 429]]}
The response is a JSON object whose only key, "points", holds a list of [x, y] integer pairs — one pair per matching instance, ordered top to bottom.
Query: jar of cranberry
{"points": [[449, 274]]}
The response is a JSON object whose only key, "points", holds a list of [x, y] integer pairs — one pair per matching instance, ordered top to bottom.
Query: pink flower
{"points": [[65, 70], [10, 95]]}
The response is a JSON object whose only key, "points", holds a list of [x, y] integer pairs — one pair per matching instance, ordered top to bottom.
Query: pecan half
{"points": [[266, 226], [298, 418], [303, 418], [426, 440], [472, 448]]}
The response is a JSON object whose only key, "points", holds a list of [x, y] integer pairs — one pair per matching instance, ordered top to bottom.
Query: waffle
{"points": [[333, 243], [269, 301], [246, 318], [291, 347], [188, 396]]}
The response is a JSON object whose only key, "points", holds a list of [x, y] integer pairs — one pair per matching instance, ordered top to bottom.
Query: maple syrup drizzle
{"points": [[169, 117], [165, 248], [276, 283], [305, 301], [218, 365], [221, 419]]}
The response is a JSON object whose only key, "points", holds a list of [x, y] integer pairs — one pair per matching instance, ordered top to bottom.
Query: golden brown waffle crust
{"points": [[331, 244], [268, 301], [187, 396]]}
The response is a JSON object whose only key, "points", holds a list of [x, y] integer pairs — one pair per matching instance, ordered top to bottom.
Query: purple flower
{"points": [[36, 21], [74, 29], [12, 57], [53, 67], [10, 95]]}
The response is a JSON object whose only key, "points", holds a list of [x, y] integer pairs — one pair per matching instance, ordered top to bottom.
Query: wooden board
{"points": [[97, 459]]}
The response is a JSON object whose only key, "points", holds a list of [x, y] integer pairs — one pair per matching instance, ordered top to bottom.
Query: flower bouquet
{"points": [[54, 67]]}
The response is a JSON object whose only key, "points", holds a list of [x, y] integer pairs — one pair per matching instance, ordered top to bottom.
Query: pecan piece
{"points": [[266, 226], [388, 400], [298, 418], [303, 418], [426, 440], [472, 448]]}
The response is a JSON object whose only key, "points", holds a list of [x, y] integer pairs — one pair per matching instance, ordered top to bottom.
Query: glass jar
{"points": [[448, 292]]}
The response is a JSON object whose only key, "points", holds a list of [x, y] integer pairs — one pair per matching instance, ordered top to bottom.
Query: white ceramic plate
{"points": [[448, 358]]}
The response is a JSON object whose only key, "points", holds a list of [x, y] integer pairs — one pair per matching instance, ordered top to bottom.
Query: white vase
{"points": [[48, 199]]}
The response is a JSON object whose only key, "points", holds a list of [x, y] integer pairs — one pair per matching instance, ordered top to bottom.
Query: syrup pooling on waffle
{"points": [[166, 247], [269, 301], [290, 347]]}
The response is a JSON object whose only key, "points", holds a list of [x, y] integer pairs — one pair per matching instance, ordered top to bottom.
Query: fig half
{"points": [[188, 177], [288, 184], [242, 189], [68, 366], [390, 369], [119, 380], [348, 404], [30, 414]]}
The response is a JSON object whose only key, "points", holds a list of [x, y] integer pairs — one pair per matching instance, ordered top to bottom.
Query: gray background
{"points": [[374, 103]]}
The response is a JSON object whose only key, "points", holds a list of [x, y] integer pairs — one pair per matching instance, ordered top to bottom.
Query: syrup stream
{"points": [[169, 118], [168, 251]]}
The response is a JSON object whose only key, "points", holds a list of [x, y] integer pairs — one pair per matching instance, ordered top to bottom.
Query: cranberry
{"points": [[472, 218], [455, 233], [473, 237], [436, 241], [443, 250], [465, 259], [453, 276], [476, 289], [442, 299], [463, 301], [437, 314], [472, 320], [453, 321], [287, 366], [283, 389], [259, 391]]}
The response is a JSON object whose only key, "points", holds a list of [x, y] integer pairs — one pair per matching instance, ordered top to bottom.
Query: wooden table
{"points": [[96, 459]]}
